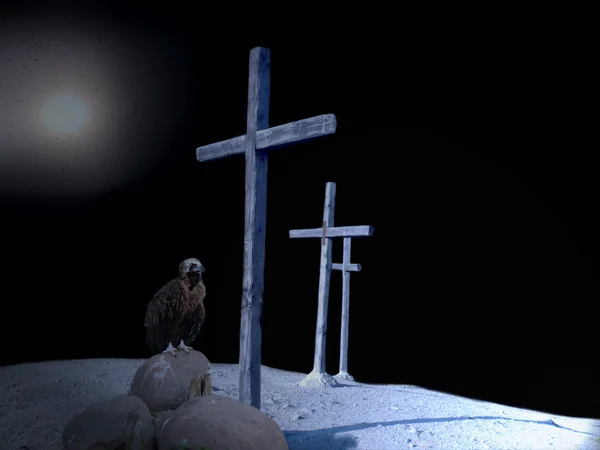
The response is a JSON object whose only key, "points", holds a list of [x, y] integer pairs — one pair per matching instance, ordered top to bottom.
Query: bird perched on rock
{"points": [[176, 313]]}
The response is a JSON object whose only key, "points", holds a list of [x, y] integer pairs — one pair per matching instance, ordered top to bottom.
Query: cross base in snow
{"points": [[344, 376], [318, 379]]}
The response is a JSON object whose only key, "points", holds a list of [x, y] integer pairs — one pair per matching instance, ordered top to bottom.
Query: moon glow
{"points": [[77, 103], [63, 113]]}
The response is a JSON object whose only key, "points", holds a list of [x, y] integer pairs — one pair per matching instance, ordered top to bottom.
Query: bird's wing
{"points": [[193, 314], [162, 316], [193, 324]]}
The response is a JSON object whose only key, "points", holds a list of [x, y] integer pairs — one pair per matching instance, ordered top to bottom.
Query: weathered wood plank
{"points": [[273, 138], [255, 144], [255, 222], [334, 232], [347, 267], [324, 280], [345, 309]]}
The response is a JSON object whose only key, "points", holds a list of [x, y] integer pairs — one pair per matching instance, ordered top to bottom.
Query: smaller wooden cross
{"points": [[346, 267], [318, 375]]}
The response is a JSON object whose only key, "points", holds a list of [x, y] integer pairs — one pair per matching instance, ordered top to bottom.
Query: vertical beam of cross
{"points": [[255, 224], [324, 280]]}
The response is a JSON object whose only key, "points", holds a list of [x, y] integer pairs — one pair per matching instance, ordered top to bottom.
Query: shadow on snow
{"points": [[323, 437]]}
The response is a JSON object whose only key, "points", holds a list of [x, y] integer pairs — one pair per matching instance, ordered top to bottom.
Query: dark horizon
{"points": [[462, 144]]}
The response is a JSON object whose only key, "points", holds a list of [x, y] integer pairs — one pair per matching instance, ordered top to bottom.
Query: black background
{"points": [[461, 138]]}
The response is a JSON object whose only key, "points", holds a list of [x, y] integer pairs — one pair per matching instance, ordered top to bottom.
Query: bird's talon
{"points": [[184, 347], [170, 349]]}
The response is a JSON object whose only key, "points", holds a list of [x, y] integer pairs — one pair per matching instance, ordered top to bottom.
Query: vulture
{"points": [[176, 313]]}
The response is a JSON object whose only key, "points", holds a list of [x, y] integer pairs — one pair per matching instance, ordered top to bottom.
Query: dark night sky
{"points": [[461, 138]]}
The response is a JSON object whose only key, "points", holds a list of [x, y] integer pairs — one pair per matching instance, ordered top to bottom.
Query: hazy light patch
{"points": [[85, 106], [63, 113]]}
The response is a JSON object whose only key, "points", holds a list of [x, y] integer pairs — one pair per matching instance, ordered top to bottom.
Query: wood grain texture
{"points": [[273, 138], [255, 222], [334, 232], [324, 280]]}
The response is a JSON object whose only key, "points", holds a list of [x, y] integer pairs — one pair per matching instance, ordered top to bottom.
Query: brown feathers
{"points": [[175, 313]]}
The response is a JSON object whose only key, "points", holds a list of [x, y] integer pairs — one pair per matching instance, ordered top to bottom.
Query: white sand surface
{"points": [[37, 400]]}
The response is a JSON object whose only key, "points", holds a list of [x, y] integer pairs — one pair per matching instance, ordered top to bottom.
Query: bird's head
{"points": [[191, 266]]}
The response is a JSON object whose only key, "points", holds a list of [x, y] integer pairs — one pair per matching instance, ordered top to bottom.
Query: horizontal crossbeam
{"points": [[272, 138], [334, 232], [346, 267]]}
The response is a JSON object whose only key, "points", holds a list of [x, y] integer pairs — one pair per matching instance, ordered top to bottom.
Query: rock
{"points": [[165, 382], [161, 418], [123, 420], [219, 423]]}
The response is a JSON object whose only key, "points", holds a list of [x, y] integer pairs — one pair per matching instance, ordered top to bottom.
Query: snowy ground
{"points": [[37, 400]]}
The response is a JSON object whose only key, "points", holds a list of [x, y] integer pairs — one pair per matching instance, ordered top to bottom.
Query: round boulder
{"points": [[165, 381], [123, 421], [220, 423]]}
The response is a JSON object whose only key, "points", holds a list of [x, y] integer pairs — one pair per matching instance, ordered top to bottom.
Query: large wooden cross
{"points": [[258, 140], [319, 376]]}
